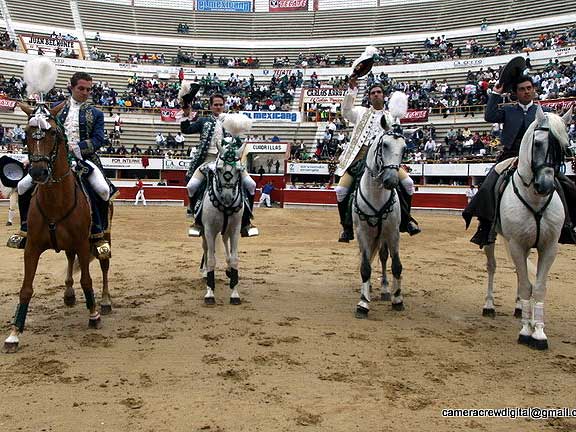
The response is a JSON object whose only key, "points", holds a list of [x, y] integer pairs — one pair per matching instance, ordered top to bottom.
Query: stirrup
{"points": [[412, 228], [195, 231], [249, 231], [17, 241], [101, 249]]}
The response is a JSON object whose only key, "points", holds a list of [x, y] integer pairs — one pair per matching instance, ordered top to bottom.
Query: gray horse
{"points": [[222, 210], [376, 214]]}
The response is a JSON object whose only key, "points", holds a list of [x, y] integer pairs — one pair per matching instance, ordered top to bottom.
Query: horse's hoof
{"points": [[385, 297], [235, 300], [70, 301], [210, 301], [398, 306], [105, 309], [361, 312], [491, 313], [517, 313], [95, 323], [525, 340], [539, 344], [10, 347]]}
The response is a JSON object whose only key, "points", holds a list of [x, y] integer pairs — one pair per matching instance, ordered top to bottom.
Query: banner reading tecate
{"points": [[288, 5], [223, 6], [7, 105], [559, 105], [169, 114], [414, 115], [273, 116]]}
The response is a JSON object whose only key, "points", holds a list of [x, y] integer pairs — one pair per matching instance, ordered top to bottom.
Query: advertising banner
{"points": [[288, 5], [223, 6], [32, 43], [323, 95], [7, 105], [559, 105], [169, 114], [273, 116], [415, 116], [266, 148], [130, 163], [176, 164], [307, 168]]}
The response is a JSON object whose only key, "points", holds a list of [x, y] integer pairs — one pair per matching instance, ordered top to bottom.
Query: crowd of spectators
{"points": [[6, 43]]}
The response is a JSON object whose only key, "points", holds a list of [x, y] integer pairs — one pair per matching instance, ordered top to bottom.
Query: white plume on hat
{"points": [[368, 53], [40, 75], [184, 90], [398, 105], [237, 124]]}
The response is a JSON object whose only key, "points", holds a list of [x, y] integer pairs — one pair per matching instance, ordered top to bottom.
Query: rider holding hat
{"points": [[515, 119]]}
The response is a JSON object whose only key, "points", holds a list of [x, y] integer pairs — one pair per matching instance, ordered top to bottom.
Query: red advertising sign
{"points": [[288, 5], [7, 105], [559, 105], [169, 114], [414, 116]]}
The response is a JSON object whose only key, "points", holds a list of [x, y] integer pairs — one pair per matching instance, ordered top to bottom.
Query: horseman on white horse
{"points": [[515, 118], [367, 126], [211, 134]]}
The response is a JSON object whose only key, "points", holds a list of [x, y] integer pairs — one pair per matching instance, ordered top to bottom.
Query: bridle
{"points": [[40, 120], [554, 157], [377, 171], [218, 182]]}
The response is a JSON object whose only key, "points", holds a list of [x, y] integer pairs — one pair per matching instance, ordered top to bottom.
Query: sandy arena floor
{"points": [[292, 357]]}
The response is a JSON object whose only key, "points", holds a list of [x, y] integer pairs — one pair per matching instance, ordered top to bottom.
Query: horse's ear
{"points": [[26, 108], [54, 111], [540, 116], [567, 117], [383, 122]]}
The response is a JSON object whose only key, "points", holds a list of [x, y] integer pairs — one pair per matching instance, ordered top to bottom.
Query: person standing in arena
{"points": [[367, 124], [210, 129], [140, 192]]}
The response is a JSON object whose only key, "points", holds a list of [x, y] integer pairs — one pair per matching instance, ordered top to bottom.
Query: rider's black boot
{"points": [[407, 222], [248, 230], [347, 233]]}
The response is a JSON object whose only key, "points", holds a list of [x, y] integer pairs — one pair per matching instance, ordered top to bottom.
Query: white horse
{"points": [[222, 210], [376, 214], [531, 215]]}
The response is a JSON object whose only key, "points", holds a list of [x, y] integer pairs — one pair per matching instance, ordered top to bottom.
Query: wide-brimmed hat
{"points": [[363, 64], [512, 72], [188, 91], [11, 171]]}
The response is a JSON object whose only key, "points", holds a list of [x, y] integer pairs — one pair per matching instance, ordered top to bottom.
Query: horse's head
{"points": [[43, 139], [549, 141], [385, 154], [228, 172]]}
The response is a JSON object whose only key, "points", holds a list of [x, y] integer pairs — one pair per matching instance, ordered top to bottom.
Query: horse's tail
{"points": [[76, 267]]}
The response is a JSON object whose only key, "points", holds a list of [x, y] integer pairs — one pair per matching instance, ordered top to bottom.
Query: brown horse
{"points": [[59, 218]]}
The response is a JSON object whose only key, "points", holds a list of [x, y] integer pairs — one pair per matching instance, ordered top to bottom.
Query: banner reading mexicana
{"points": [[223, 6], [273, 116]]}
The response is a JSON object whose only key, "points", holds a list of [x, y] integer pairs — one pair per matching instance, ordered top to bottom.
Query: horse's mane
{"points": [[557, 128]]}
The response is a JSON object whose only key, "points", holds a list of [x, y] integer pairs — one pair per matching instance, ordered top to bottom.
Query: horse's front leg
{"points": [[394, 246], [84, 255], [519, 255], [546, 257], [31, 258], [210, 262], [232, 272], [384, 286], [69, 295], [105, 301], [488, 309]]}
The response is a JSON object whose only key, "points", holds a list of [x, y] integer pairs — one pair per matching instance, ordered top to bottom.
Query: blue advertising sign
{"points": [[224, 5]]}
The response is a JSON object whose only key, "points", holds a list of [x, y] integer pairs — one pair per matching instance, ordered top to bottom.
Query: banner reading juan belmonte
{"points": [[288, 5]]}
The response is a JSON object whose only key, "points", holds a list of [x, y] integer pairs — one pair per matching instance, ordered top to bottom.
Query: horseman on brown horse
{"points": [[66, 204]]}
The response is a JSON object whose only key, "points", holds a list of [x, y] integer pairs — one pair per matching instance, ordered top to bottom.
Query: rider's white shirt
{"points": [[71, 126]]}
